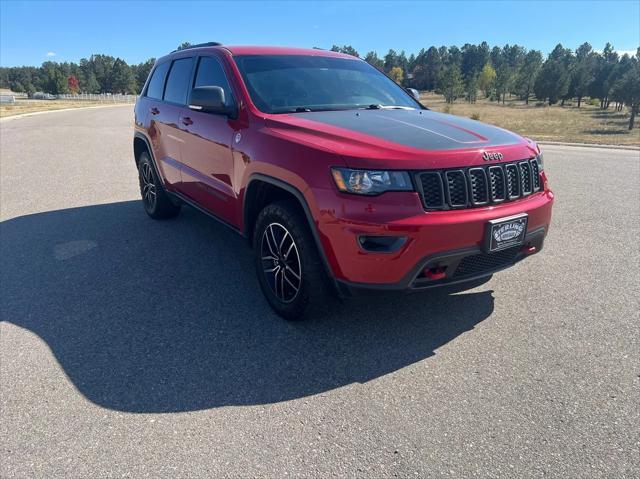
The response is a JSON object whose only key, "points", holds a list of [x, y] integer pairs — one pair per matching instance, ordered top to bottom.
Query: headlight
{"points": [[371, 182]]}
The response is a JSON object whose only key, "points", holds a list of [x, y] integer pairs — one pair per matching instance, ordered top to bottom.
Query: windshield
{"points": [[296, 83]]}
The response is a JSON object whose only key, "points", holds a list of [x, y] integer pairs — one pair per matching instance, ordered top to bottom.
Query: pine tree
{"points": [[372, 59], [527, 74], [122, 79], [552, 82], [450, 84]]}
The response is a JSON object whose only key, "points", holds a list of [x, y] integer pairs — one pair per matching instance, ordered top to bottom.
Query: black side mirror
{"points": [[209, 99]]}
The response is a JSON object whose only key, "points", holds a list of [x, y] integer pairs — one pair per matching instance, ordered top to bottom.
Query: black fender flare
{"points": [[141, 136], [305, 208]]}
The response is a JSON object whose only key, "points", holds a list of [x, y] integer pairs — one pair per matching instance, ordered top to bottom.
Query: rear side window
{"points": [[210, 73], [178, 81], [156, 84]]}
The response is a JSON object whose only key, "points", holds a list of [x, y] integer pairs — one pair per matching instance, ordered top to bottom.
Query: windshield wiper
{"points": [[388, 107], [305, 109]]}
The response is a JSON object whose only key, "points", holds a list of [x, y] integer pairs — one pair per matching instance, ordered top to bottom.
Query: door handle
{"points": [[154, 111], [186, 120]]}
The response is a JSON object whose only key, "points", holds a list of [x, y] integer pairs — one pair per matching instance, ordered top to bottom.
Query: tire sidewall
{"points": [[144, 159], [285, 215]]}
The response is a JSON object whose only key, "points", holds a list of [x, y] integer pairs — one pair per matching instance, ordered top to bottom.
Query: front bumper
{"points": [[440, 239]]}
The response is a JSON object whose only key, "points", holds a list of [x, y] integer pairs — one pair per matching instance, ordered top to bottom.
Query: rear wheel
{"points": [[157, 202], [288, 265]]}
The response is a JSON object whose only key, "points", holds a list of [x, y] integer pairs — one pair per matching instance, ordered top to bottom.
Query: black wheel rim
{"points": [[148, 187], [281, 262]]}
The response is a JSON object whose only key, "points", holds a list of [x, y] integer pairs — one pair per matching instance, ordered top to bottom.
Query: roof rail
{"points": [[207, 44]]}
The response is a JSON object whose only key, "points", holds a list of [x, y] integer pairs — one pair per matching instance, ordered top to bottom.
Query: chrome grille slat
{"points": [[535, 168], [525, 176], [513, 181], [497, 184], [478, 186], [458, 188], [432, 189]]}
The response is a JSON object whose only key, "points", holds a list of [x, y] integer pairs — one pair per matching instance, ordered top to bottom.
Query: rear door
{"points": [[161, 117], [168, 136], [206, 154]]}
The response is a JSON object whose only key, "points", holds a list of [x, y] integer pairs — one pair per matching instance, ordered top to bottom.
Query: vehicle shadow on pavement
{"points": [[150, 316]]}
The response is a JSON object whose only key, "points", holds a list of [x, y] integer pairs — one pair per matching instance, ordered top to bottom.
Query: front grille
{"points": [[535, 168], [525, 175], [513, 181], [498, 184], [478, 185], [456, 188], [479, 188], [432, 190], [485, 262]]}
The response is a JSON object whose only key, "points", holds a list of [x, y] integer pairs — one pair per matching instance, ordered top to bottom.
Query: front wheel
{"points": [[288, 265]]}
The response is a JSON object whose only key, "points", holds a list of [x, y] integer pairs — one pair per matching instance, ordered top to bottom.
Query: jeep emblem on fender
{"points": [[486, 156]]}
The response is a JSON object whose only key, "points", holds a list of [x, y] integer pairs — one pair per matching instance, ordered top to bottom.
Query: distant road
{"points": [[130, 347]]}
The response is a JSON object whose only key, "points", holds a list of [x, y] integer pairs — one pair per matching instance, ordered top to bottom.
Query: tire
{"points": [[155, 199], [288, 265]]}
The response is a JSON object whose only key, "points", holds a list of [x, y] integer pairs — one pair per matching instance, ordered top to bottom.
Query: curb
{"points": [[35, 113], [591, 145]]}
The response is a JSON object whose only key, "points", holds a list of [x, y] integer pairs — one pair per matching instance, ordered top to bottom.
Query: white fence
{"points": [[102, 98]]}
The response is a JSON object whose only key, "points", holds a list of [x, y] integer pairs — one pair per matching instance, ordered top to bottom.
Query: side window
{"points": [[210, 73], [178, 81], [156, 84]]}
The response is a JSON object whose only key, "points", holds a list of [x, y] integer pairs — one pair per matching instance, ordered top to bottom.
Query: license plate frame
{"points": [[507, 232]]}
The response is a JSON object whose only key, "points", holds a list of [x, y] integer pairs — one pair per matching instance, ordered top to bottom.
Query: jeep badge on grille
{"points": [[486, 156]]}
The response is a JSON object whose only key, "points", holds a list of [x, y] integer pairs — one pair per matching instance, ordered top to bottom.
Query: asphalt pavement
{"points": [[136, 348]]}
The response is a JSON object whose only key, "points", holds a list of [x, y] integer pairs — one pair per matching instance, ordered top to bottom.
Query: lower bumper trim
{"points": [[467, 265]]}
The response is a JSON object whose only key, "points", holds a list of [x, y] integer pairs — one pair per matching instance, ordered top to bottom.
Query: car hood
{"points": [[421, 138]]}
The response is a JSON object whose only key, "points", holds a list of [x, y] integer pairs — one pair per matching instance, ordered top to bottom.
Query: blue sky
{"points": [[33, 32]]}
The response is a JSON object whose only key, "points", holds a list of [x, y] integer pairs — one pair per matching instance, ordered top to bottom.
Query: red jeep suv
{"points": [[338, 177]]}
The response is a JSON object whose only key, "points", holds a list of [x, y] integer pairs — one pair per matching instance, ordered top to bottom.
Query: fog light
{"points": [[381, 244]]}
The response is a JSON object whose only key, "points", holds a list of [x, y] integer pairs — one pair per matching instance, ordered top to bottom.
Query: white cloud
{"points": [[50, 54]]}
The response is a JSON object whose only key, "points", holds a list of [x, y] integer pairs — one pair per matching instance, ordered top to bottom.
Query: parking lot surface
{"points": [[136, 348]]}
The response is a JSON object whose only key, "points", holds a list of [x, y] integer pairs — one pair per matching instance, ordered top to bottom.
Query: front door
{"points": [[207, 161]]}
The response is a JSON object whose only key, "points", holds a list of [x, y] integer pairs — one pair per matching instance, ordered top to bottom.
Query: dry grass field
{"points": [[31, 106], [587, 124]]}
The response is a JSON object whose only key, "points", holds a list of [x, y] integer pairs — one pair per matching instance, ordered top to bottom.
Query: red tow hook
{"points": [[528, 249], [434, 273]]}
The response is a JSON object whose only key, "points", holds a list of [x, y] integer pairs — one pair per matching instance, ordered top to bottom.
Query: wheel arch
{"points": [[141, 144], [262, 190]]}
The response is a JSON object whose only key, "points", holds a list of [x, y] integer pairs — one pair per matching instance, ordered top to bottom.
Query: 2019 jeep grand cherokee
{"points": [[334, 173]]}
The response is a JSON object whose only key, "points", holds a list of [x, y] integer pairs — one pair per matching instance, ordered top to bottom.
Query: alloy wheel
{"points": [[148, 187], [281, 262]]}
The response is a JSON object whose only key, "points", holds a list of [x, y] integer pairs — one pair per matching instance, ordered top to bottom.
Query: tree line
{"points": [[456, 73], [96, 74], [564, 75]]}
